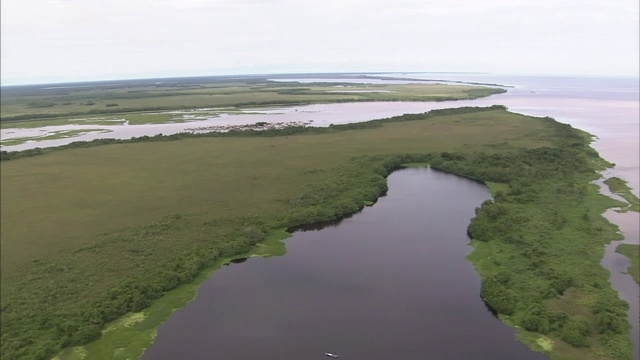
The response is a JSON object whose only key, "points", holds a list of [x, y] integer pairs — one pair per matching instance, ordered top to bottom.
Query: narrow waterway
{"points": [[390, 282]]}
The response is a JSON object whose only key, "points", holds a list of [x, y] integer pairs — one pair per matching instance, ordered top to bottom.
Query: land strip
{"points": [[23, 106], [93, 232]]}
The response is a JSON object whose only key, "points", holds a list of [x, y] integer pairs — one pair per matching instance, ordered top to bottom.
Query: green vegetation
{"points": [[147, 97], [91, 120], [58, 134], [620, 187], [537, 245], [633, 253], [77, 254], [129, 336]]}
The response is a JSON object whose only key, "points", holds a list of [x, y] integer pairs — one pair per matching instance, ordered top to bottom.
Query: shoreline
{"points": [[130, 335], [537, 342]]}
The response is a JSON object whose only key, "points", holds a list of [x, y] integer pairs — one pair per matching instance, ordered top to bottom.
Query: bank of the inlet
{"points": [[537, 243]]}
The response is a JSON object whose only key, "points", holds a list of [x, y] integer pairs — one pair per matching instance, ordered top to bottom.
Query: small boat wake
{"points": [[331, 355]]}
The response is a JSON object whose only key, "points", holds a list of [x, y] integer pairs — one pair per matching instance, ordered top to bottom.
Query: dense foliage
{"points": [[543, 229], [538, 246]]}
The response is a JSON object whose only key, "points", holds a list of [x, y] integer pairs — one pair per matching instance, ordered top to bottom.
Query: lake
{"points": [[391, 282]]}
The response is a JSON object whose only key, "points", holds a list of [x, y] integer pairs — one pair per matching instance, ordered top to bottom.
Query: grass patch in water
{"points": [[152, 118], [98, 120], [57, 134], [620, 187], [631, 251]]}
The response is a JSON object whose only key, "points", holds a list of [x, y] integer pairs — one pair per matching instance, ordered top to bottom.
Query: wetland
{"points": [[320, 175], [379, 284]]}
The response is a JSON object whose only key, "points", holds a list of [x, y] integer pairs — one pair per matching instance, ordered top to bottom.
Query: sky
{"points": [[46, 41]]}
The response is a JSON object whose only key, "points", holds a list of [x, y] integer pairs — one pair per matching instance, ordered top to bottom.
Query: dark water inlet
{"points": [[390, 282]]}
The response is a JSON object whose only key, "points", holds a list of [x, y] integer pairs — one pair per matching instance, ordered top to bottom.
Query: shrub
{"points": [[500, 298], [575, 332]]}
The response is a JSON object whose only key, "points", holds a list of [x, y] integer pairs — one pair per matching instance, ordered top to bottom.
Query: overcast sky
{"points": [[77, 40]]}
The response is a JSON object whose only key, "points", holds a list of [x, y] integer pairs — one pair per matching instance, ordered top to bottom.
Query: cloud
{"points": [[127, 37]]}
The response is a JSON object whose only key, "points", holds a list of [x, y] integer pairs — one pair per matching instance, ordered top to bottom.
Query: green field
{"points": [[21, 105], [79, 193], [91, 232]]}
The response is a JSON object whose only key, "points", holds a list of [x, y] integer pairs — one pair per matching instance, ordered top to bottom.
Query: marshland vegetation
{"points": [[94, 231]]}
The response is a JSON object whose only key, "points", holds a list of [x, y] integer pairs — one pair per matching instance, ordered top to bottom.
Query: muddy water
{"points": [[390, 282]]}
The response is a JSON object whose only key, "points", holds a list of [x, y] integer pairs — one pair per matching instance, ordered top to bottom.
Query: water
{"points": [[605, 107], [608, 108], [321, 115], [390, 282]]}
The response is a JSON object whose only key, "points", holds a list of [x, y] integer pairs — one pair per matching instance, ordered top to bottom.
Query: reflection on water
{"points": [[609, 108], [390, 282]]}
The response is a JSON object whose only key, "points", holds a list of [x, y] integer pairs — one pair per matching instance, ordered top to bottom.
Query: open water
{"points": [[391, 282]]}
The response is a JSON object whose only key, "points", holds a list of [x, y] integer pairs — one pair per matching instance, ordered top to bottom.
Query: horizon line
{"points": [[283, 74]]}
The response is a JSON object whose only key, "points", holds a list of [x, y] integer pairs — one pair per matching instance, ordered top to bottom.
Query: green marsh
{"points": [[118, 227]]}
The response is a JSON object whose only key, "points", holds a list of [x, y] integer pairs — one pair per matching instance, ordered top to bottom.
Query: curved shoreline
{"points": [[479, 257], [130, 335]]}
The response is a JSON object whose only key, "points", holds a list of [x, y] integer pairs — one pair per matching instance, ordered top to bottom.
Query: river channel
{"points": [[390, 282]]}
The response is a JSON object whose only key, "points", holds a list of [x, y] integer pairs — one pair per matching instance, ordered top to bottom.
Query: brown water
{"points": [[390, 282]]}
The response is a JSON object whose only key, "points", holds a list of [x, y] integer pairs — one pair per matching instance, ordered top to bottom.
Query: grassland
{"points": [[146, 98], [222, 177], [90, 232]]}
